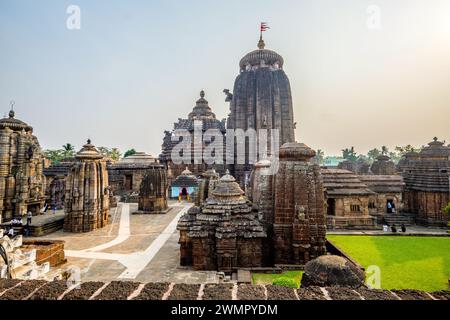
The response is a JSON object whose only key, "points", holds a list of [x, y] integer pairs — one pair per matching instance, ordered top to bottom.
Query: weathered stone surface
{"points": [[261, 99], [202, 119], [383, 165], [427, 178], [22, 182], [153, 191], [87, 192], [299, 217], [224, 233], [329, 270], [84, 291], [153, 291], [184, 291], [217, 291], [251, 292], [280, 293], [310, 293], [342, 293], [412, 295]]}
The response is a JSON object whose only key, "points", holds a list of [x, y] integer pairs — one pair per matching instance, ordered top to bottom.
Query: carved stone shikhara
{"points": [[261, 99], [22, 183], [153, 191], [87, 192], [299, 218]]}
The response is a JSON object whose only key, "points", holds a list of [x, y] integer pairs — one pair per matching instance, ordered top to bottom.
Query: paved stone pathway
{"points": [[133, 262]]}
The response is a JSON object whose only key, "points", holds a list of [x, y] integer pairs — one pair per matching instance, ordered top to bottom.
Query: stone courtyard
{"points": [[132, 247]]}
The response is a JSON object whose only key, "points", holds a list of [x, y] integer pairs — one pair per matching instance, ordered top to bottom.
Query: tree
{"points": [[68, 150], [384, 150], [113, 153], [129, 153], [349, 154], [373, 154], [55, 156], [447, 208]]}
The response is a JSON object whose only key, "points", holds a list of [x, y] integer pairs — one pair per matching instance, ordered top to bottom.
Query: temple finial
{"points": [[263, 27], [261, 44], [202, 94], [11, 112]]}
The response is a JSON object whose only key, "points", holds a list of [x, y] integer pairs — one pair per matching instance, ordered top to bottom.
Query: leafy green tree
{"points": [[68, 150], [384, 150], [112, 153], [129, 153], [349, 154], [373, 154], [320, 155], [55, 156], [447, 208]]}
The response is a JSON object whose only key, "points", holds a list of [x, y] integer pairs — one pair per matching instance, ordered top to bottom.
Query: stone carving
{"points": [[22, 183], [153, 191], [87, 192], [223, 234]]}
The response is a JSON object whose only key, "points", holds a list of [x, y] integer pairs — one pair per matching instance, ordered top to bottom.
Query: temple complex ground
{"points": [[132, 247], [406, 262]]}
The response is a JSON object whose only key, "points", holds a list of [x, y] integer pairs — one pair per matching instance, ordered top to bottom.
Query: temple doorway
{"points": [[128, 182], [184, 192], [331, 204], [390, 206]]}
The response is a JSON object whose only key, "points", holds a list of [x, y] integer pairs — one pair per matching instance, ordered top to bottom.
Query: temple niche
{"points": [[261, 99], [201, 119], [427, 179], [22, 183], [185, 186], [153, 191], [87, 192], [299, 218], [224, 233]]}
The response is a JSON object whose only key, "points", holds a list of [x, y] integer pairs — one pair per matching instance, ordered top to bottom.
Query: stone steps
{"points": [[399, 219]]}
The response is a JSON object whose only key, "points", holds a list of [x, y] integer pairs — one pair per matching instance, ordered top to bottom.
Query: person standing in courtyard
{"points": [[29, 217]]}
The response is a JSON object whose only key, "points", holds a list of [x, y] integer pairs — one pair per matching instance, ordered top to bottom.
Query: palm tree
{"points": [[68, 150], [384, 150]]}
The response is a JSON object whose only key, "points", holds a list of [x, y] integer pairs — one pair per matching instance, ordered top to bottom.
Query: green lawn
{"points": [[405, 262], [269, 278]]}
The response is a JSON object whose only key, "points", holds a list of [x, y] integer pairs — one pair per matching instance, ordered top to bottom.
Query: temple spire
{"points": [[11, 112]]}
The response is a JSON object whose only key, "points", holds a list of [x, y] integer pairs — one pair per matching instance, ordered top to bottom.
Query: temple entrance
{"points": [[128, 182], [184, 192], [390, 206], [331, 207], [34, 208]]}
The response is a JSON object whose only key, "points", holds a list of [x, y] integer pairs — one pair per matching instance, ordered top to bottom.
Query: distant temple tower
{"points": [[261, 99], [22, 183], [87, 192]]}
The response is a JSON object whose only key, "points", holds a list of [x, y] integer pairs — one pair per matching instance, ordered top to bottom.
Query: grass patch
{"points": [[421, 263], [278, 278]]}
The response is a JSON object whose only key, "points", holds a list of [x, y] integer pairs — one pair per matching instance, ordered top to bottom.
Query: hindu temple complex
{"points": [[261, 99], [22, 183], [87, 192]]}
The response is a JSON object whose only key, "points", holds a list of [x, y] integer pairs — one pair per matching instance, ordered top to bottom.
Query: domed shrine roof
{"points": [[260, 57], [201, 109], [14, 124], [435, 150], [295, 151], [89, 152], [136, 161], [185, 179], [228, 189]]}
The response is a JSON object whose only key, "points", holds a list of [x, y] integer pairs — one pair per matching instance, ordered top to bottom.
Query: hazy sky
{"points": [[135, 67]]}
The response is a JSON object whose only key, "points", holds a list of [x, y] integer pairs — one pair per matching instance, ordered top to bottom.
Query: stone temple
{"points": [[261, 99], [202, 117], [427, 179], [22, 183], [153, 191], [87, 192], [224, 233]]}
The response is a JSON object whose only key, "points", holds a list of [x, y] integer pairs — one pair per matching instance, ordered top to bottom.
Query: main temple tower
{"points": [[261, 99]]}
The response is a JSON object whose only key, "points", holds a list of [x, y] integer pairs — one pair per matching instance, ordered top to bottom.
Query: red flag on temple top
{"points": [[264, 26]]}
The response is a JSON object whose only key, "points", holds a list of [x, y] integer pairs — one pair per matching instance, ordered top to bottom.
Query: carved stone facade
{"points": [[261, 99], [200, 120], [383, 165], [56, 175], [126, 175], [427, 178], [22, 182], [206, 185], [153, 191], [87, 192], [347, 199], [299, 217], [224, 233]]}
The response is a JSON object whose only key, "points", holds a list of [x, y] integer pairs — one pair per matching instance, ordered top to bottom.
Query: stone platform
{"points": [[41, 225]]}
